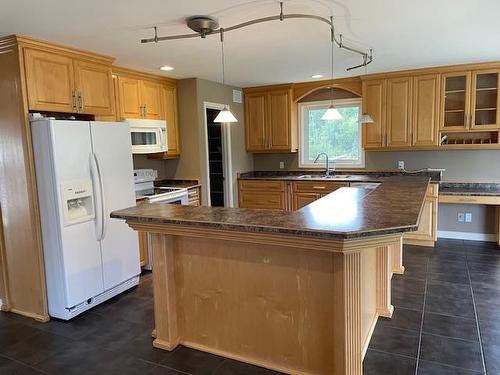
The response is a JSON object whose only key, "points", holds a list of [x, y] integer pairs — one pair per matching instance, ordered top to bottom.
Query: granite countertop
{"points": [[339, 175], [470, 189], [353, 212]]}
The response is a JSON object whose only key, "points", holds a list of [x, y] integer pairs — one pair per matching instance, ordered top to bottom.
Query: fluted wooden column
{"points": [[383, 288], [347, 314], [166, 329]]}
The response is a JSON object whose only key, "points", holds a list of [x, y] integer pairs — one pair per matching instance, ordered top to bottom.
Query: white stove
{"points": [[144, 188]]}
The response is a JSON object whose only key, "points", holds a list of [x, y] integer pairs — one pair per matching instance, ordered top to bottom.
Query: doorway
{"points": [[218, 150]]}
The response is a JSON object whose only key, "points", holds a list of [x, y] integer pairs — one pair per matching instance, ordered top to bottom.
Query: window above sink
{"points": [[340, 139]]}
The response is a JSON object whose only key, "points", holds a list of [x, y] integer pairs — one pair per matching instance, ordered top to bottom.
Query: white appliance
{"points": [[148, 136], [83, 172], [144, 187]]}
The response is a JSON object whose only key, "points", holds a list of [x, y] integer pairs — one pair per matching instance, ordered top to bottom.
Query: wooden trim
{"points": [[26, 41], [433, 70], [121, 71], [302, 89], [469, 199], [306, 243], [397, 257], [383, 289], [4, 290], [165, 302], [38, 317]]}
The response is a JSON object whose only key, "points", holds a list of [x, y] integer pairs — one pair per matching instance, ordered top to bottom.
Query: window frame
{"points": [[339, 164]]}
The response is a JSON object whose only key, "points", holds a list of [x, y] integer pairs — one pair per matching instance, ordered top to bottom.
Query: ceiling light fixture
{"points": [[204, 26], [166, 68], [317, 76], [332, 113], [224, 116], [365, 117]]}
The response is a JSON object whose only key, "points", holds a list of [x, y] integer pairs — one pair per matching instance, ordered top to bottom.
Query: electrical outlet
{"points": [[282, 164], [401, 164], [461, 217], [468, 217]]}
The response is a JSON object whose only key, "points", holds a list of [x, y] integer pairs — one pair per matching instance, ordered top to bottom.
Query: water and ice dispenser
{"points": [[78, 201]]}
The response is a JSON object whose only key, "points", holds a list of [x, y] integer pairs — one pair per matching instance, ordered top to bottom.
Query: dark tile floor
{"points": [[446, 294], [447, 313]]}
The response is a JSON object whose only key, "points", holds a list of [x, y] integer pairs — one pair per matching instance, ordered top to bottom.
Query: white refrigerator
{"points": [[84, 171]]}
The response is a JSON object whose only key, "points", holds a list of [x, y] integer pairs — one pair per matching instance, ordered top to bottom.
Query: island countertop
{"points": [[350, 212]]}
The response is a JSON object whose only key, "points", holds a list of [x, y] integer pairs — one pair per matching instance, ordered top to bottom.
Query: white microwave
{"points": [[148, 136]]}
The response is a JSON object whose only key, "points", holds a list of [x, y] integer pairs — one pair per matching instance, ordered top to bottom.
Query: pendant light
{"points": [[332, 113], [224, 116], [365, 118]]}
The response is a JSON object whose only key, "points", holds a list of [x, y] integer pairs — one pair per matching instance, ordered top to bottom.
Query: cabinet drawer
{"points": [[262, 185], [317, 186], [262, 199]]}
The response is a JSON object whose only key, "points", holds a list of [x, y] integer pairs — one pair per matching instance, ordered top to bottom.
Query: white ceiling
{"points": [[404, 34]]}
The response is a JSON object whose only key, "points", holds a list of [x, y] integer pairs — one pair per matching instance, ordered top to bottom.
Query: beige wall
{"points": [[192, 94]]}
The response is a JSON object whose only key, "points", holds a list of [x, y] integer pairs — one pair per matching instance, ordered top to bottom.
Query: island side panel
{"points": [[267, 305]]}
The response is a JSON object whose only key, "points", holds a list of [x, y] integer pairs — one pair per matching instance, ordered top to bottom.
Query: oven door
{"points": [[147, 140]]}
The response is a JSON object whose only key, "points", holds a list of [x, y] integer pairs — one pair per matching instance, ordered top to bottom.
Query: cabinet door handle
{"points": [[73, 101], [80, 101], [145, 111], [319, 187]]}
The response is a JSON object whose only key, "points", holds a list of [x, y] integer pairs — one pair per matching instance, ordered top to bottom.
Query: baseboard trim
{"points": [[467, 236]]}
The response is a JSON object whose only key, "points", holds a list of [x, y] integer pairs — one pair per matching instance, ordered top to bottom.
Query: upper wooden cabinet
{"points": [[61, 82], [374, 92], [145, 96], [140, 98], [470, 100], [399, 102], [404, 110], [169, 113], [270, 119], [425, 121]]}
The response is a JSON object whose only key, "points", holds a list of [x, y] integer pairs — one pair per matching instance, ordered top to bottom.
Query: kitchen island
{"points": [[298, 292]]}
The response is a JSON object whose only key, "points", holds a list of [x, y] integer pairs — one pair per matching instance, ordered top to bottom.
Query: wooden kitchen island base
{"points": [[291, 304]]}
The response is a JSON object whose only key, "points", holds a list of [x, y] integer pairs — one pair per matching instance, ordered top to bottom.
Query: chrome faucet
{"points": [[327, 166]]}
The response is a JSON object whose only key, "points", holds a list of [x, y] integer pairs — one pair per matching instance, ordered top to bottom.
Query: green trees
{"points": [[338, 138]]}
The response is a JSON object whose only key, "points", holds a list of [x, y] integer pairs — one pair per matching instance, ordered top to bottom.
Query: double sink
{"points": [[324, 177]]}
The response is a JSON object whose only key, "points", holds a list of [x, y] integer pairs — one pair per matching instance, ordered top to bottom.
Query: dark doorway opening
{"points": [[215, 159]]}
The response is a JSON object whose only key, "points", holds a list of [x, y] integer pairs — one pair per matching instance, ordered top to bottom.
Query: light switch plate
{"points": [[237, 96], [282, 164], [401, 164], [461, 217], [468, 217]]}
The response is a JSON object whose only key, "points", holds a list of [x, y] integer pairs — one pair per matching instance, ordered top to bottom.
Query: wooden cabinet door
{"points": [[50, 81], [94, 87], [129, 92], [151, 100], [485, 100], [455, 101], [374, 104], [169, 106], [426, 110], [399, 112], [278, 120], [255, 121], [262, 199], [303, 199]]}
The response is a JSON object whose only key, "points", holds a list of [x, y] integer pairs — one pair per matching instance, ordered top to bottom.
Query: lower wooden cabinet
{"points": [[283, 195], [426, 235]]}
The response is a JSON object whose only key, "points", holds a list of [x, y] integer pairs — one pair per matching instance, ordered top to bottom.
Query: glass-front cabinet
{"points": [[470, 100], [485, 100], [456, 101]]}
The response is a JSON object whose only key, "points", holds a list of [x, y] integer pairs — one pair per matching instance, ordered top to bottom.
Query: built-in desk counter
{"points": [[298, 292]]}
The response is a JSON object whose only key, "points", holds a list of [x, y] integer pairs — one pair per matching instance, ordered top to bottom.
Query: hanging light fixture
{"points": [[332, 113], [225, 115], [365, 118]]}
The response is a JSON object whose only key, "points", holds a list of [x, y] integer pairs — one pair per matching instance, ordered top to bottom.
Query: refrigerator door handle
{"points": [[103, 201], [99, 209]]}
